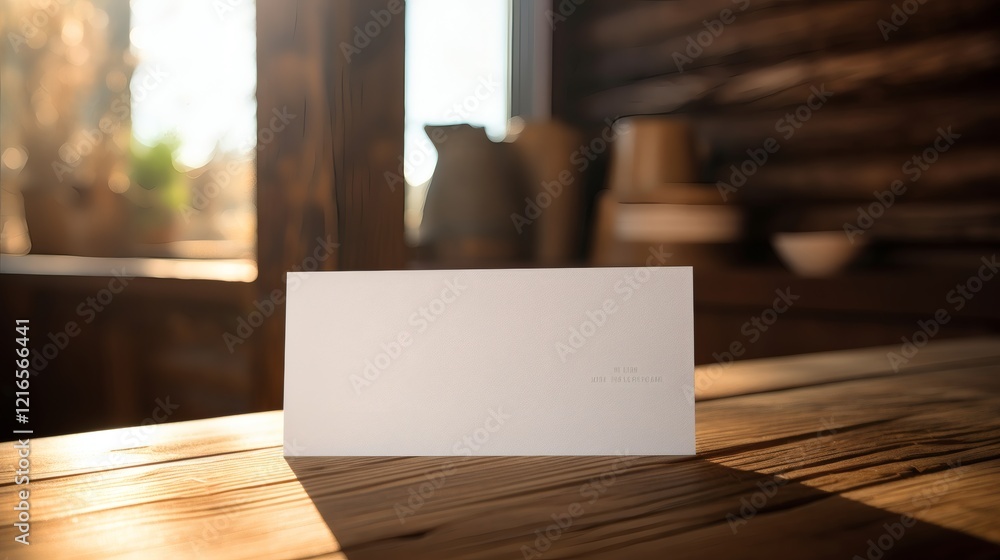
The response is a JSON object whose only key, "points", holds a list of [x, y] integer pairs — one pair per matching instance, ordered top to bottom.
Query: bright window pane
{"points": [[457, 55], [128, 128]]}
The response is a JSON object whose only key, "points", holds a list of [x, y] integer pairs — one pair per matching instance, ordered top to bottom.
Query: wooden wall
{"points": [[893, 85], [890, 95], [323, 204], [158, 340]]}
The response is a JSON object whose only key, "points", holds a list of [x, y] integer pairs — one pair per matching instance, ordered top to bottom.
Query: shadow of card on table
{"points": [[606, 507]]}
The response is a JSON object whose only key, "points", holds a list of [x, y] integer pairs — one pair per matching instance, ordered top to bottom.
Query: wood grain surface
{"points": [[735, 69], [829, 455]]}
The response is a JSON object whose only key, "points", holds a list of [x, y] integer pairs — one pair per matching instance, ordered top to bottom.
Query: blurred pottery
{"points": [[651, 152], [555, 186], [476, 187], [816, 254]]}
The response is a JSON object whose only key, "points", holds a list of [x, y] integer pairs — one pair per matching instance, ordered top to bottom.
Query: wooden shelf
{"points": [[222, 270], [872, 292]]}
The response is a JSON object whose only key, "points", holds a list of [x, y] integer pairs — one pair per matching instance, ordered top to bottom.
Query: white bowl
{"points": [[816, 254]]}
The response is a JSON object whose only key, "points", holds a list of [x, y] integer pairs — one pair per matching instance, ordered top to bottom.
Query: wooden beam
{"points": [[334, 70], [873, 74]]}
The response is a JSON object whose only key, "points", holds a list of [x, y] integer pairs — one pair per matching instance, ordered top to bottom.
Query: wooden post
{"points": [[330, 129]]}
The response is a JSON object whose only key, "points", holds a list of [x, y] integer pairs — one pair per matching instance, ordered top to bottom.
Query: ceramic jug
{"points": [[476, 187]]}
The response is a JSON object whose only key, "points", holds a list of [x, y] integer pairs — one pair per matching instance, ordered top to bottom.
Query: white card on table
{"points": [[595, 361]]}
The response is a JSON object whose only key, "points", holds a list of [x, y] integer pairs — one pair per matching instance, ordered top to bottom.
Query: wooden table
{"points": [[818, 456]]}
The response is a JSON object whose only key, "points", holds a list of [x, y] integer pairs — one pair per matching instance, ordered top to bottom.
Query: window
{"points": [[457, 56], [129, 128]]}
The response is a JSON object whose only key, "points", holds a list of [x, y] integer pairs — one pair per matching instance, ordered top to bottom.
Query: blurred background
{"points": [[828, 168]]}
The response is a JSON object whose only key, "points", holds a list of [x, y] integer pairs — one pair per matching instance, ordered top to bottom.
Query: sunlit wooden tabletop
{"points": [[829, 455]]}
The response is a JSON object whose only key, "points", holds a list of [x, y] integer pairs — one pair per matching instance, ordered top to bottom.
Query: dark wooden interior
{"points": [[892, 89], [320, 183], [318, 209]]}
